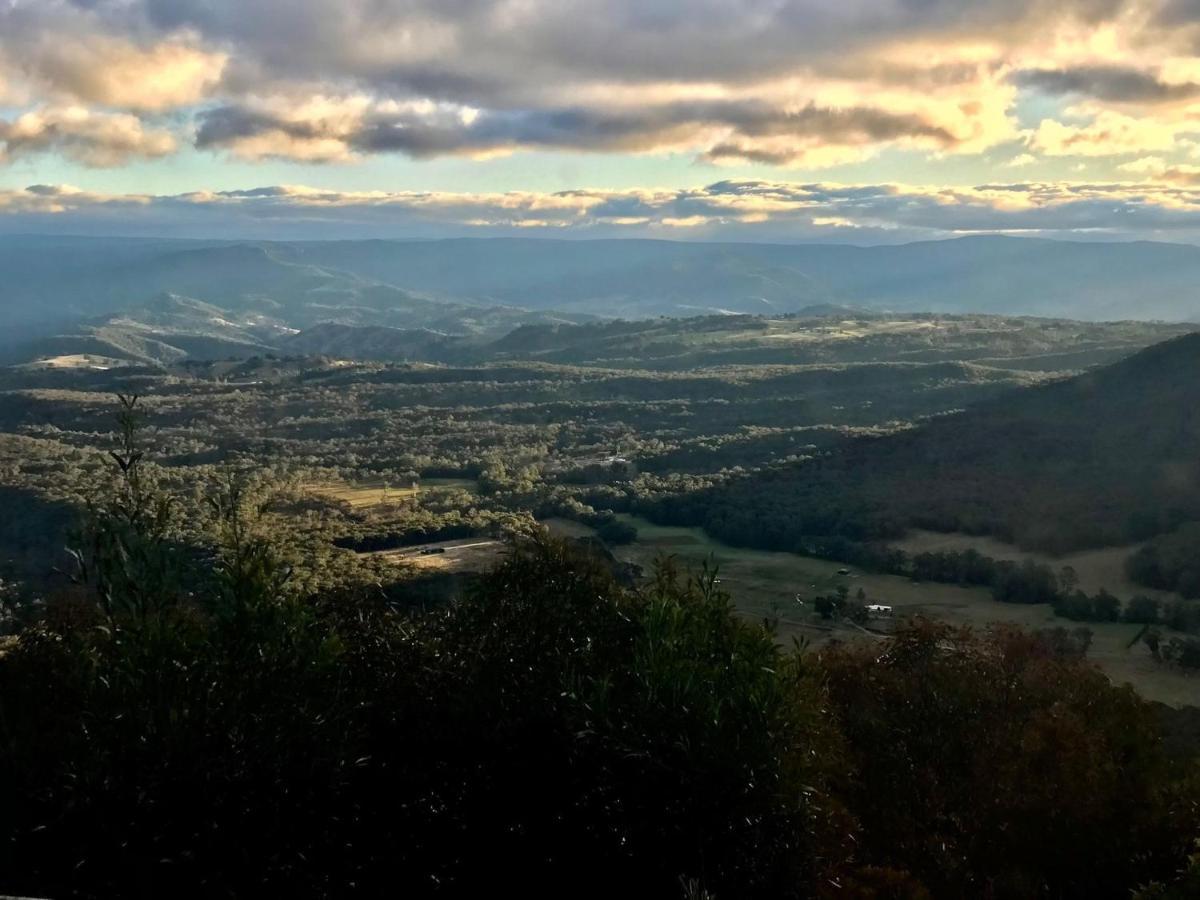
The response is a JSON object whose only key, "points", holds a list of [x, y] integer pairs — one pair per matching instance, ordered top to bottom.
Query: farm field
{"points": [[79, 361], [370, 494], [567, 528], [464, 555], [1096, 569], [765, 584]]}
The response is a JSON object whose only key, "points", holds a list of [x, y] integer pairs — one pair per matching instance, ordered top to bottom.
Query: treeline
{"points": [[420, 533], [1170, 562], [1014, 582], [1033, 582], [1181, 651], [171, 726]]}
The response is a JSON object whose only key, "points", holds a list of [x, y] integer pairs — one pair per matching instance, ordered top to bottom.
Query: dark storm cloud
{"points": [[492, 53], [790, 78], [1116, 84], [428, 134]]}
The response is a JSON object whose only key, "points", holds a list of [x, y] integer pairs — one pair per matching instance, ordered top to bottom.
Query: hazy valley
{"points": [[162, 301], [848, 473]]}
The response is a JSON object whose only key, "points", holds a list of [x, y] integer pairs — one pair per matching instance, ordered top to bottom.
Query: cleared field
{"points": [[847, 329], [78, 361], [366, 495], [363, 496], [567, 528], [464, 555], [1103, 568], [765, 584]]}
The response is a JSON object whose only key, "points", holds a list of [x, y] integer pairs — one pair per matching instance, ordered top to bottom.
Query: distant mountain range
{"points": [[639, 278], [130, 295]]}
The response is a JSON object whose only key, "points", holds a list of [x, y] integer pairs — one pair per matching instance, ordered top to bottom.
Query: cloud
{"points": [[449, 49], [116, 72], [781, 82], [1116, 84], [716, 129], [1110, 134], [97, 140], [1019, 162], [1146, 165], [1182, 174], [62, 199], [734, 209]]}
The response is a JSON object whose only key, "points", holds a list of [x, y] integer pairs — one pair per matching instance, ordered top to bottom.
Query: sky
{"points": [[861, 121]]}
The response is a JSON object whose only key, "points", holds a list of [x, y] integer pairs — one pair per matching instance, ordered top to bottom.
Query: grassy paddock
{"points": [[370, 494], [568, 528], [463, 555], [1103, 568], [764, 584]]}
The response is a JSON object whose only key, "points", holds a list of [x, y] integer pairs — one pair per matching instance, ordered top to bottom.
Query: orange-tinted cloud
{"points": [[801, 84], [98, 140], [1167, 206]]}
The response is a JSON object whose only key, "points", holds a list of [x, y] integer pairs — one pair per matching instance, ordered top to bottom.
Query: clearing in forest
{"points": [[766, 584]]}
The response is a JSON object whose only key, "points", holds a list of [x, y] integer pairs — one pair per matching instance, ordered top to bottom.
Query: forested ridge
{"points": [[1107, 457]]}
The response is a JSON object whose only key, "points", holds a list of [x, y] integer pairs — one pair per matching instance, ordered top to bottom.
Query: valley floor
{"points": [[1096, 569], [766, 584]]}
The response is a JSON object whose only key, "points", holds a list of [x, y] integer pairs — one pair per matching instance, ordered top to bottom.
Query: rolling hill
{"points": [[639, 278], [472, 285], [161, 301]]}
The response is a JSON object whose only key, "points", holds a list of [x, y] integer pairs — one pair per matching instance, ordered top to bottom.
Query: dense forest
{"points": [[1105, 458], [185, 719]]}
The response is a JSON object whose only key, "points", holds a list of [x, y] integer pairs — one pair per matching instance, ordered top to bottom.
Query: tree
{"points": [[615, 531], [1068, 579], [1106, 607], [1142, 610], [221, 732], [992, 764], [1184, 886]]}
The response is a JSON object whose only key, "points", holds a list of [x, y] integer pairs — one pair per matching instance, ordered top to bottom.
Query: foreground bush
{"points": [[994, 766]]}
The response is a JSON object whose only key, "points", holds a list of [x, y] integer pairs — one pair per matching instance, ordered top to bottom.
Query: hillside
{"points": [[637, 278], [474, 285], [67, 291], [367, 321], [171, 328], [832, 335], [378, 342], [1107, 457]]}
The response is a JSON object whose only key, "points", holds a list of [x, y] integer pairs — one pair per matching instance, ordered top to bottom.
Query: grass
{"points": [[844, 329], [78, 361], [371, 494], [567, 528], [463, 555], [1096, 569], [765, 584]]}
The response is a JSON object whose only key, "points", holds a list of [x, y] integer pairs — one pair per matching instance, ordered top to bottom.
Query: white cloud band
{"points": [[735, 210]]}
